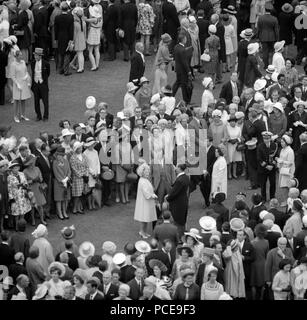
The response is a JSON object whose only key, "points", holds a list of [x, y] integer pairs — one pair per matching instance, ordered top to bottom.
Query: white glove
{"points": [[274, 137]]}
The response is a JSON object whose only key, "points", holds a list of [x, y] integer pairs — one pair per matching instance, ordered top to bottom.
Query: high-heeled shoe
{"points": [[80, 71], [65, 216], [61, 218], [44, 222], [143, 236]]}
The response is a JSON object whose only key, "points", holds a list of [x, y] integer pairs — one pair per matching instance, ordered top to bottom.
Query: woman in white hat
{"points": [[95, 21], [194, 33], [212, 47], [278, 60], [252, 72], [160, 79], [21, 86], [143, 95], [207, 96], [130, 102], [277, 122], [298, 122], [217, 128], [66, 143], [219, 172], [80, 176], [18, 192], [145, 209], [192, 239], [56, 270]]}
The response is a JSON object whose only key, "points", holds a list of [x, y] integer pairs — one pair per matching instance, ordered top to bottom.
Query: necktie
{"points": [[235, 89], [169, 257], [140, 286], [105, 289], [187, 294]]}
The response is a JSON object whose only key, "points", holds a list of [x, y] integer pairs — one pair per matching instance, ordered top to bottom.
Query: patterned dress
{"points": [[146, 19], [94, 30], [213, 44], [79, 169], [36, 176], [16, 191]]}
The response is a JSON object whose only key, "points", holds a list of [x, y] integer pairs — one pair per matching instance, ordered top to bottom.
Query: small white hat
{"points": [[212, 28], [279, 45], [253, 48], [274, 76], [207, 81], [259, 84], [131, 86], [259, 96], [155, 98], [90, 102], [279, 106], [216, 113], [120, 115], [239, 115], [82, 125], [66, 132], [77, 145], [263, 213], [207, 223], [40, 231], [142, 246], [109, 247], [86, 249], [119, 258]]}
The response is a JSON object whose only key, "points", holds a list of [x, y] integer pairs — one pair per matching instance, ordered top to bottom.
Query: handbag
{"points": [[19, 33], [205, 57], [241, 146], [126, 167], [284, 171], [131, 176]]}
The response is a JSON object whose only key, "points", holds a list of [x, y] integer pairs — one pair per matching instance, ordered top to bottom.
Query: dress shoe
{"points": [[126, 60], [80, 71], [68, 74], [24, 118], [38, 119], [45, 119], [16, 120]]}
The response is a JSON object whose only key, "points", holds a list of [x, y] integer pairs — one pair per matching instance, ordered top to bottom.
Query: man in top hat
{"points": [[267, 32], [246, 36], [40, 74], [266, 153]]}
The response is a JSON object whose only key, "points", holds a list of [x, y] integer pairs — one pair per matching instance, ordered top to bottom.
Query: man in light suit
{"points": [[268, 33], [137, 64], [230, 89], [178, 199], [137, 284]]}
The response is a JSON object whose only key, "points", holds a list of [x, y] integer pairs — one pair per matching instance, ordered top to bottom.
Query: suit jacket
{"points": [[207, 6], [170, 19], [41, 21], [111, 22], [203, 26], [268, 28], [63, 31], [220, 32], [242, 56], [137, 67], [182, 67], [45, 71], [252, 72], [281, 91], [227, 92], [246, 106], [165, 116], [109, 120], [133, 122], [253, 130], [83, 137], [266, 156], [210, 159], [300, 167], [45, 169], [178, 199], [223, 214], [279, 217], [166, 231], [272, 238], [20, 243], [296, 247], [248, 252], [6, 255], [168, 262], [17, 269], [127, 273], [200, 274], [135, 291], [14, 292], [112, 292], [98, 296]]}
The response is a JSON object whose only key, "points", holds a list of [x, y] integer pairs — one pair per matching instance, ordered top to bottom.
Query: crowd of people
{"points": [[159, 150]]}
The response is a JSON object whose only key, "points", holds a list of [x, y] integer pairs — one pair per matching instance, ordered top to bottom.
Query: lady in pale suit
{"points": [[21, 86], [207, 96], [286, 166], [219, 173], [145, 209]]}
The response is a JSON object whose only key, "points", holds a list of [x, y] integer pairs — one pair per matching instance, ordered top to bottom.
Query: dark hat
{"points": [[287, 8], [231, 9], [232, 118], [5, 128], [60, 150], [219, 197], [298, 204], [68, 232], [129, 248], [188, 249], [283, 263]]}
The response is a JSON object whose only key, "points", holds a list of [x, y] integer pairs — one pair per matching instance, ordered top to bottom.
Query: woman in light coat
{"points": [[207, 96], [286, 166], [219, 173], [145, 209], [295, 223]]}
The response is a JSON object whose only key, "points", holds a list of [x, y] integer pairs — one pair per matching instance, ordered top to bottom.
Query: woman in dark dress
{"points": [[286, 25], [3, 64], [252, 72]]}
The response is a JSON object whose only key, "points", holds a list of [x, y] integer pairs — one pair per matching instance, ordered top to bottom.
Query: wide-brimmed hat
{"points": [[287, 8], [231, 9], [94, 11], [247, 33], [166, 38], [13, 39], [279, 45], [253, 48], [270, 69], [143, 80], [207, 81], [259, 84], [131, 86], [259, 97], [155, 98], [90, 102], [300, 103], [278, 106], [239, 115], [66, 132], [287, 139], [90, 141], [251, 144], [77, 145], [60, 151], [30, 159], [13, 164], [207, 223], [236, 224], [68, 232], [193, 233], [142, 246], [109, 247], [129, 248], [86, 249], [188, 249], [119, 258], [155, 262], [57, 265], [187, 272], [41, 291]]}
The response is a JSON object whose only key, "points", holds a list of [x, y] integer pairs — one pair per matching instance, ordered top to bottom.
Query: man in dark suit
{"points": [[207, 8], [243, 15], [170, 21], [110, 24], [41, 25], [203, 26], [267, 33], [64, 35], [137, 68], [182, 69], [40, 74], [279, 86], [230, 89], [161, 113], [137, 115], [103, 117], [78, 135], [300, 163], [205, 184], [178, 199], [220, 209], [279, 215], [166, 230], [271, 235], [19, 242], [292, 243], [6, 252], [155, 253], [249, 256], [18, 267], [137, 284], [21, 289], [92, 289], [110, 290]]}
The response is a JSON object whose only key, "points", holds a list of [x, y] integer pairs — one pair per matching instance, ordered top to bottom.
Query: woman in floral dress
{"points": [[145, 24], [157, 29], [18, 194]]}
